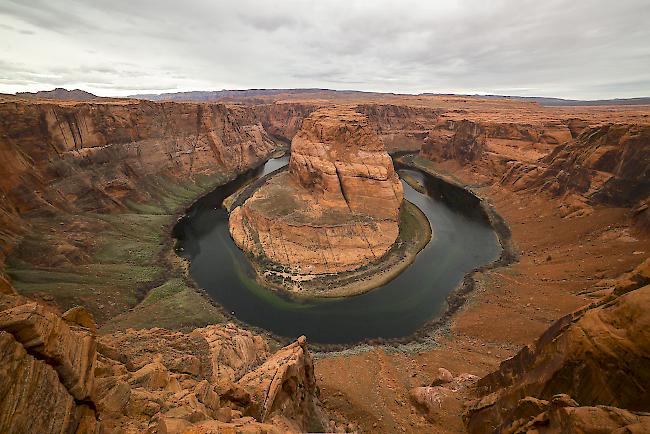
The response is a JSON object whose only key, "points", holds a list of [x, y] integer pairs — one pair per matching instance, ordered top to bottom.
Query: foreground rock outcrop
{"points": [[335, 210], [47, 370], [588, 370], [56, 375], [215, 379]]}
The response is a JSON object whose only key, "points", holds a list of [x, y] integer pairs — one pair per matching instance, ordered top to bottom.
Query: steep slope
{"points": [[400, 127], [103, 157], [608, 164], [336, 209], [597, 355], [58, 376]]}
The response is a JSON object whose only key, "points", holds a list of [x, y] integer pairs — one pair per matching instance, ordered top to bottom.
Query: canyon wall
{"points": [[283, 120], [401, 127], [463, 141], [491, 144], [101, 156], [607, 164], [581, 165], [337, 207], [59, 375]]}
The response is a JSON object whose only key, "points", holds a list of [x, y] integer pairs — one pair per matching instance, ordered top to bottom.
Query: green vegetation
{"points": [[413, 182], [414, 228], [114, 264], [167, 289], [178, 308]]}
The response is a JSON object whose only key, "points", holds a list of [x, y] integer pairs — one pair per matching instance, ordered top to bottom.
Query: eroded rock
{"points": [[463, 140], [606, 164], [335, 210], [597, 355], [46, 371], [237, 386]]}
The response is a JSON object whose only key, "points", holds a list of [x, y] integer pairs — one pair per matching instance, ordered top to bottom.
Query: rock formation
{"points": [[60, 94], [283, 120], [400, 127], [463, 141], [469, 141], [101, 157], [608, 164], [604, 165], [337, 207], [597, 355], [48, 370], [587, 373], [58, 376], [214, 379]]}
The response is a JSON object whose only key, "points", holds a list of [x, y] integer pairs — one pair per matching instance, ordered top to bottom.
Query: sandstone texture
{"points": [[283, 120], [401, 127], [463, 141], [492, 145], [79, 156], [607, 164], [571, 183], [335, 209], [596, 356], [48, 371], [58, 376], [215, 379]]}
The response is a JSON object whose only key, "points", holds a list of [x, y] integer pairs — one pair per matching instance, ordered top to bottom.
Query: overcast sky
{"points": [[563, 48]]}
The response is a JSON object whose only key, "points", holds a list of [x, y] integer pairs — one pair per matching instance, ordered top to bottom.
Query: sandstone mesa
{"points": [[334, 210]]}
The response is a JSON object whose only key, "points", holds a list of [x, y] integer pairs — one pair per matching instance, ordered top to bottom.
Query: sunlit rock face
{"points": [[335, 209]]}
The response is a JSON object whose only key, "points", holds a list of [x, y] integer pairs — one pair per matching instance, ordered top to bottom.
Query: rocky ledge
{"points": [[335, 210], [587, 373], [58, 375]]}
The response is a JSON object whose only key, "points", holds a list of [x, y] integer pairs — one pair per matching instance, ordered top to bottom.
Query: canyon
{"points": [[98, 310]]}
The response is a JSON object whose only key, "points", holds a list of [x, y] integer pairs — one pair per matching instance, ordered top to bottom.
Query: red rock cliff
{"points": [[99, 156], [337, 207]]}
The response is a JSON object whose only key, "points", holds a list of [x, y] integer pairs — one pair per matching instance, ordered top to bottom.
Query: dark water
{"points": [[462, 241]]}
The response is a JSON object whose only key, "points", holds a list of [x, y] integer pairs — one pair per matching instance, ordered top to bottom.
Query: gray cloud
{"points": [[596, 49]]}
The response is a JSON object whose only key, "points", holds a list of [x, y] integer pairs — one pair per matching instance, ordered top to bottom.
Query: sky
{"points": [[586, 49]]}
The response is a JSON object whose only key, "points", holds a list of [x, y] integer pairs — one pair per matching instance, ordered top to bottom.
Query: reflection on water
{"points": [[462, 241]]}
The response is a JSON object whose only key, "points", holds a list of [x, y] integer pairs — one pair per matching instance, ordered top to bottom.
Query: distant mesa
{"points": [[60, 94]]}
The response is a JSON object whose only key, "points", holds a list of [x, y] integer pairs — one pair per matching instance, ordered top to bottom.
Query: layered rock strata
{"points": [[400, 127], [463, 141], [490, 144], [80, 156], [608, 164], [335, 209], [597, 357], [48, 370], [57, 376]]}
